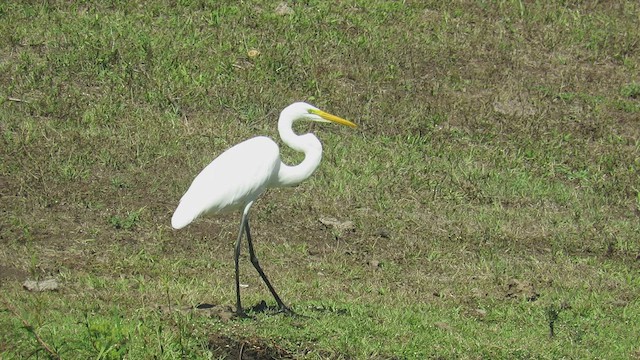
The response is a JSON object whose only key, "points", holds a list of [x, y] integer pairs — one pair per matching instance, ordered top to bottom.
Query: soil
{"points": [[249, 349]]}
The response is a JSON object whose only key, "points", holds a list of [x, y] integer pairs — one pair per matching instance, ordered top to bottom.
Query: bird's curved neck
{"points": [[306, 143]]}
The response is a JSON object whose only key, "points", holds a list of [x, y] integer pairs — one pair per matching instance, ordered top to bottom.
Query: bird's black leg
{"points": [[236, 258], [256, 264]]}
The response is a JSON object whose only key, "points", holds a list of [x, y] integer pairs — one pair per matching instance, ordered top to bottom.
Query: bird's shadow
{"points": [[263, 308], [329, 309], [226, 312]]}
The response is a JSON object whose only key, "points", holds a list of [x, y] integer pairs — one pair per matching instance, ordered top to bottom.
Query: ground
{"points": [[486, 206]]}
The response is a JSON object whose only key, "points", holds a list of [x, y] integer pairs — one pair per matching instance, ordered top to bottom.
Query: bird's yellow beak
{"points": [[332, 118]]}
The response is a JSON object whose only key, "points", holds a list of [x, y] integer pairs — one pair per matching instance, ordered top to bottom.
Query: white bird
{"points": [[236, 178]]}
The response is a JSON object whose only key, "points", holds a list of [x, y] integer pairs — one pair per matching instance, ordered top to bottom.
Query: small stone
{"points": [[284, 9], [374, 263], [39, 286]]}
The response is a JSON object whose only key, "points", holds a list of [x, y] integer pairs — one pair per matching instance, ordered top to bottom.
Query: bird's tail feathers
{"points": [[182, 217]]}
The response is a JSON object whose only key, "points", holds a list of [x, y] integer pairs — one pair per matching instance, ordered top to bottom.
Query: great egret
{"points": [[236, 178]]}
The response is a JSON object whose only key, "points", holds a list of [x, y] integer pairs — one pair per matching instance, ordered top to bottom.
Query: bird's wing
{"points": [[233, 179]]}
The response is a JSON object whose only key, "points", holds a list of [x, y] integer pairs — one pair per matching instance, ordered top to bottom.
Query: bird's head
{"points": [[304, 111]]}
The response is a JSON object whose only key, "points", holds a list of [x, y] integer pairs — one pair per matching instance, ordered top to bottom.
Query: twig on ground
{"points": [[16, 99], [30, 329]]}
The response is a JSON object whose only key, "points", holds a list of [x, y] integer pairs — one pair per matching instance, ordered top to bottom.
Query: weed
{"points": [[631, 90], [126, 223], [109, 337]]}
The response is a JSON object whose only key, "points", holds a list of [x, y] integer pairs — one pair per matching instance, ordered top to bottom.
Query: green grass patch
{"points": [[492, 181]]}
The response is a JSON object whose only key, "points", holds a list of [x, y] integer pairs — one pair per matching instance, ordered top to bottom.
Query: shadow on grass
{"points": [[227, 312], [252, 347], [231, 348]]}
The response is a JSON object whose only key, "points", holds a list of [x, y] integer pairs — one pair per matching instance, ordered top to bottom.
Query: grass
{"points": [[493, 179]]}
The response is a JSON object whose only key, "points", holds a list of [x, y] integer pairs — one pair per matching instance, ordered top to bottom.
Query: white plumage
{"points": [[226, 185]]}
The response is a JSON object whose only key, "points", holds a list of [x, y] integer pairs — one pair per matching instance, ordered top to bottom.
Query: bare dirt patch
{"points": [[9, 273], [249, 349]]}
